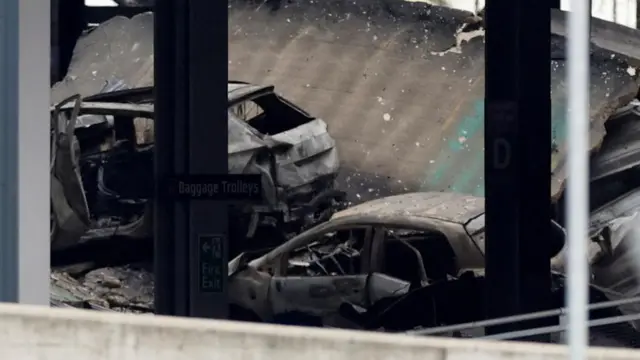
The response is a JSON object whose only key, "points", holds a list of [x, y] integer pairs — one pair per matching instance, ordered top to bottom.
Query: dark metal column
{"points": [[100, 14], [67, 22], [169, 104], [191, 138], [208, 142], [517, 158]]}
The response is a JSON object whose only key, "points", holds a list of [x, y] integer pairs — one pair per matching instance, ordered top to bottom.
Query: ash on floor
{"points": [[126, 288]]}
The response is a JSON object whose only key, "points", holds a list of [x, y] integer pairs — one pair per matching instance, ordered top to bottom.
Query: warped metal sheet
{"points": [[621, 149]]}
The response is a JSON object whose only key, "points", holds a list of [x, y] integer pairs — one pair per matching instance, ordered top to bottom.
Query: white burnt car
{"points": [[102, 163], [371, 261], [397, 263]]}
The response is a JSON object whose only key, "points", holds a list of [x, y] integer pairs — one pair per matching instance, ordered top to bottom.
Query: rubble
{"points": [[124, 289]]}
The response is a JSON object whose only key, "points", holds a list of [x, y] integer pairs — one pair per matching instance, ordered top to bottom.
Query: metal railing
{"points": [[533, 316], [558, 328]]}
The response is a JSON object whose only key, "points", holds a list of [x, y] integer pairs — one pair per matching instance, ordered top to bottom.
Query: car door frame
{"points": [[280, 264]]}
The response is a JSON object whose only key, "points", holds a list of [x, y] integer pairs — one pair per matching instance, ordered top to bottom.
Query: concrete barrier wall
{"points": [[29, 333]]}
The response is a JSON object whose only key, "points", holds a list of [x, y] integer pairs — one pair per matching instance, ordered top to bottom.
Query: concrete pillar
{"points": [[24, 150]]}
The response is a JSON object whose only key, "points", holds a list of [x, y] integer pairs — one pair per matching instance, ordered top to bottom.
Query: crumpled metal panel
{"points": [[405, 105], [310, 141], [243, 145], [621, 149], [622, 207], [70, 215], [613, 250], [620, 271], [323, 295]]}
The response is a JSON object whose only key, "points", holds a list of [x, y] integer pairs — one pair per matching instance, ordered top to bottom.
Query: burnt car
{"points": [[102, 164], [370, 261], [376, 265]]}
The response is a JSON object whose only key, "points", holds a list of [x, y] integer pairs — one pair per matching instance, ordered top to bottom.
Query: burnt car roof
{"points": [[238, 90], [235, 91], [109, 108], [452, 207], [419, 208]]}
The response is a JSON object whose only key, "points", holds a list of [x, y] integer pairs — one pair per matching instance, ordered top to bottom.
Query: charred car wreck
{"points": [[102, 166], [394, 264]]}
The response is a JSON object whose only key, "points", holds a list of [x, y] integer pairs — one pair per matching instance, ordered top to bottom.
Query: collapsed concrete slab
{"points": [[400, 84]]}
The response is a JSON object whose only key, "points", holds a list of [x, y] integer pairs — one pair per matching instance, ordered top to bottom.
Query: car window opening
{"points": [[270, 114], [400, 260]]}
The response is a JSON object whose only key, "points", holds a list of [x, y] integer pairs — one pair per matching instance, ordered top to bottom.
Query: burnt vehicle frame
{"points": [[296, 157], [418, 245], [415, 249]]}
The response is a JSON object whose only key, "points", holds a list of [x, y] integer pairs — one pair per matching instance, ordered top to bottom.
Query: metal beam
{"points": [[100, 14], [68, 23], [169, 99], [191, 143], [24, 151], [208, 155], [517, 159]]}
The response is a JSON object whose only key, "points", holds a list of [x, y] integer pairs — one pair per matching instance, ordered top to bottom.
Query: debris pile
{"points": [[124, 288]]}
